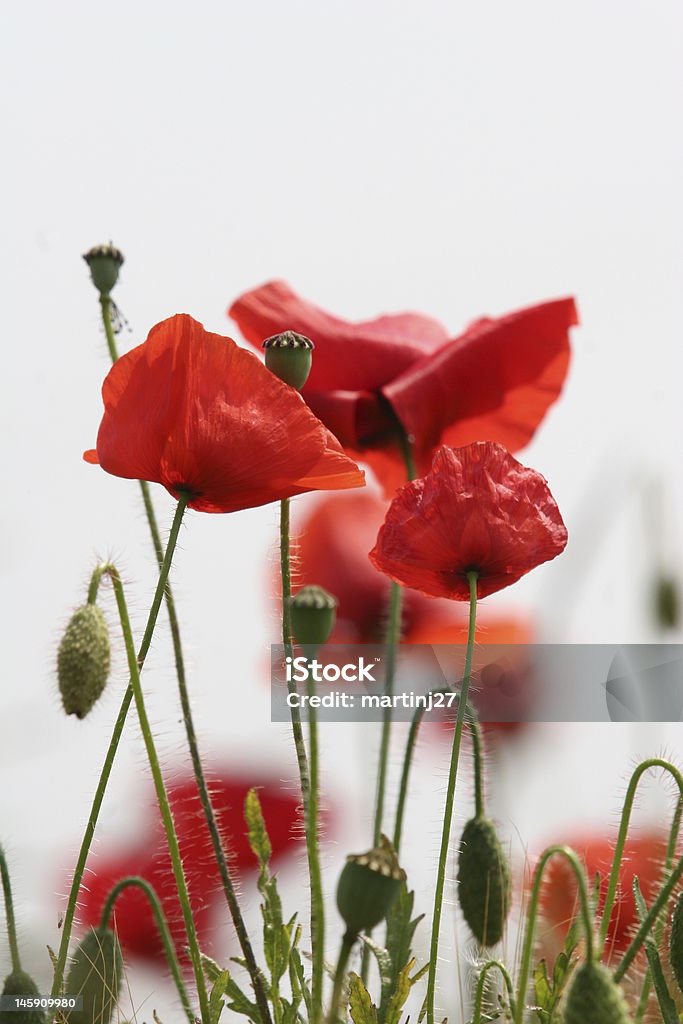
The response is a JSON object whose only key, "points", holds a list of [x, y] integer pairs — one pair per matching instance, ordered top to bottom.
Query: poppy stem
{"points": [[475, 730], [190, 731], [111, 751], [450, 799], [312, 845], [133, 881], [9, 913], [532, 914], [647, 925], [492, 965], [340, 973]]}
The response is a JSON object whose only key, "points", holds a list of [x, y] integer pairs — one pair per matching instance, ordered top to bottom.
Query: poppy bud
{"points": [[104, 262], [288, 356], [667, 605], [313, 615], [83, 660], [484, 881], [368, 886], [676, 942], [95, 974], [19, 983], [595, 996]]}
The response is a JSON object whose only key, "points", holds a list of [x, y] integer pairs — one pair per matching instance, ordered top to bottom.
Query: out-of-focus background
{"points": [[458, 159]]}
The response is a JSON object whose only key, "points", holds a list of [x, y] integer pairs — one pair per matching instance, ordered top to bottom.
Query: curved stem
{"points": [[475, 729], [111, 753], [450, 799], [312, 844], [219, 851], [132, 881], [613, 883], [9, 913], [532, 913], [645, 928], [340, 973], [481, 984]]}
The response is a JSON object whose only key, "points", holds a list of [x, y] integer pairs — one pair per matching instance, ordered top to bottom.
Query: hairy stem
{"points": [[9, 912]]}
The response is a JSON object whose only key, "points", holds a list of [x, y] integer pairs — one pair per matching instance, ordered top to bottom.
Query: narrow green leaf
{"points": [[257, 834]]}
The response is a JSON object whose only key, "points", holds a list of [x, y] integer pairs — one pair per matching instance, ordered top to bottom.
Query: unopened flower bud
{"points": [[104, 262], [289, 357], [667, 603], [313, 615], [83, 660], [484, 881], [368, 886], [676, 942], [95, 974], [19, 983], [595, 997]]}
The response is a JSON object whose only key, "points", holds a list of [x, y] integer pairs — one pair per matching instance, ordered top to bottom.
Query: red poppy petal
{"points": [[349, 356], [494, 382], [91, 457]]}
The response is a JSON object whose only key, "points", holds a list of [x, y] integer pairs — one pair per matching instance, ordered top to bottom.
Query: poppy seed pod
{"points": [[104, 262], [289, 357], [667, 603], [313, 611], [83, 660], [484, 881], [368, 886], [676, 942], [95, 974], [19, 983], [595, 996]]}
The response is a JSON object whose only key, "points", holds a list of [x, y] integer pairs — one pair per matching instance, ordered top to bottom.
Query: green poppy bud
{"points": [[104, 261], [289, 357], [667, 604], [313, 615], [83, 660], [484, 881], [368, 886], [676, 942], [95, 974], [19, 983], [595, 998]]}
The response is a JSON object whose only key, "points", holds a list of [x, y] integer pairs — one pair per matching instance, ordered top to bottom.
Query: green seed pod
{"points": [[104, 262], [289, 357], [313, 615], [83, 660], [484, 881], [368, 886], [676, 942], [95, 974], [19, 983], [595, 998]]}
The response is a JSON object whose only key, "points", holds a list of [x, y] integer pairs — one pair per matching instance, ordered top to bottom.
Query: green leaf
{"points": [[257, 834], [401, 927], [218, 990], [542, 991], [400, 995], [666, 1003], [361, 1007]]}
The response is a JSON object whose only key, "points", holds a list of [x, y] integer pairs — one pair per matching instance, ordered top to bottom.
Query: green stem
{"points": [[286, 573], [392, 640], [111, 753], [408, 760], [162, 797], [450, 798], [313, 847], [220, 854], [133, 881], [613, 883], [9, 913], [532, 914], [651, 919], [340, 973], [481, 986]]}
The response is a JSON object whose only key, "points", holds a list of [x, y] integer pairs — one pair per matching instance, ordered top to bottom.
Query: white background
{"points": [[455, 158]]}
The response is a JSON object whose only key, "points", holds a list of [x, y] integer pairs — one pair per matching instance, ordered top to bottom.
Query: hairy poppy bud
{"points": [[104, 262], [288, 356], [667, 604], [313, 614], [83, 660], [483, 881], [368, 886], [676, 942], [95, 974], [19, 983], [595, 996]]}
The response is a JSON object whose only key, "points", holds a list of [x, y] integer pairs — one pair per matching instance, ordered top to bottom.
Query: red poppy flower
{"points": [[495, 381], [196, 413], [478, 509], [644, 858], [150, 860]]}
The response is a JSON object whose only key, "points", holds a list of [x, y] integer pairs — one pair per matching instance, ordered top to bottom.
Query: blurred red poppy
{"points": [[493, 382], [196, 413], [477, 510], [644, 858], [150, 860]]}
